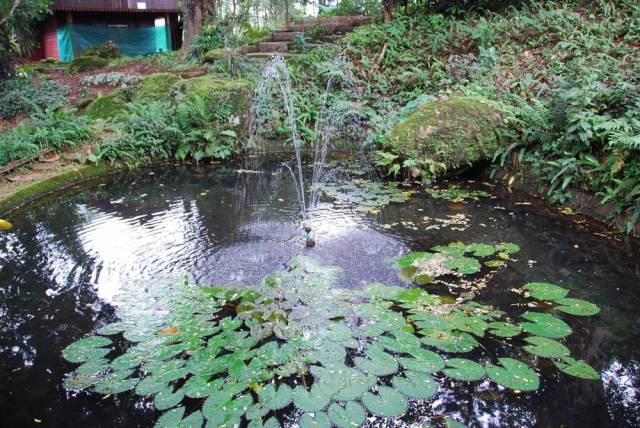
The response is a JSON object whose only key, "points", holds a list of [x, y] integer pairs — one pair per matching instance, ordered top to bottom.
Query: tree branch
{"points": [[15, 5]]}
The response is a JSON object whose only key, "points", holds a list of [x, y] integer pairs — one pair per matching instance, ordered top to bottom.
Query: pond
{"points": [[70, 256]]}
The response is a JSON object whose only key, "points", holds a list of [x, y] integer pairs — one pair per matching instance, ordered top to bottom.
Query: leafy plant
{"points": [[114, 78], [21, 96]]}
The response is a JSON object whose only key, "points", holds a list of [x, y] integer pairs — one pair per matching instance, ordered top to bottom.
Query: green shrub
{"points": [[316, 32], [211, 37], [107, 50], [86, 63], [114, 78], [20, 96], [194, 128], [45, 129]]}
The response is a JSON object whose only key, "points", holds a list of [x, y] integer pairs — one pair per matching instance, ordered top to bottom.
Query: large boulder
{"points": [[106, 106], [447, 133]]}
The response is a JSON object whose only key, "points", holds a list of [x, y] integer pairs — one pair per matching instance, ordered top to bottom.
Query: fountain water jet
{"points": [[277, 79]]}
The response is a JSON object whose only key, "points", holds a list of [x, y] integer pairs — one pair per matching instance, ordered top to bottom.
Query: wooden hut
{"points": [[138, 27]]}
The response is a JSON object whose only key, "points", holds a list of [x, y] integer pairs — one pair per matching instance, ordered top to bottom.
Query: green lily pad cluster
{"points": [[456, 193], [364, 194], [456, 258], [558, 295], [296, 344]]}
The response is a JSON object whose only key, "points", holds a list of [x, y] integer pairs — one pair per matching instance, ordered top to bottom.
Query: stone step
{"points": [[335, 20], [285, 36], [331, 39], [273, 46], [270, 54]]}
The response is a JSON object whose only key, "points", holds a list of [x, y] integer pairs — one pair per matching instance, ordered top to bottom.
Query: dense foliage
{"points": [[17, 18], [565, 78], [21, 95], [44, 129], [146, 132]]}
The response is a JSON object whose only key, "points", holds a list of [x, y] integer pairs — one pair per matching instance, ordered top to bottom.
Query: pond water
{"points": [[69, 255]]}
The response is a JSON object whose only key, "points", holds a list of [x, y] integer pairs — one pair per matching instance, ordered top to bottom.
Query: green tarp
{"points": [[73, 39]]}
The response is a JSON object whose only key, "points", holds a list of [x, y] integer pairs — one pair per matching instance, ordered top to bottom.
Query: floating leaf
{"points": [[508, 247], [481, 250], [494, 263], [464, 265], [545, 291], [577, 307], [545, 325], [111, 329], [504, 329], [450, 341], [544, 347], [89, 349], [422, 360], [378, 363], [577, 368], [463, 369], [513, 374], [117, 382], [151, 385], [415, 385], [167, 398], [275, 399], [310, 401], [388, 402], [351, 415], [171, 418], [194, 420], [318, 420]]}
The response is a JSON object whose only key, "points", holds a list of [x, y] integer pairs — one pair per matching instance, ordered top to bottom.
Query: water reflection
{"points": [[68, 256]]}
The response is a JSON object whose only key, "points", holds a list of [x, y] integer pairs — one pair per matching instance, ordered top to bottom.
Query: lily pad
{"points": [[545, 291], [577, 307], [545, 325], [504, 329], [450, 341], [545, 347], [89, 349], [378, 363], [577, 368], [463, 369], [513, 374], [415, 385], [167, 398], [275, 399], [310, 401], [388, 402], [351, 415], [317, 420]]}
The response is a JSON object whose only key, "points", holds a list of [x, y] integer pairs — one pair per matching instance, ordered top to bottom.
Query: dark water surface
{"points": [[69, 255]]}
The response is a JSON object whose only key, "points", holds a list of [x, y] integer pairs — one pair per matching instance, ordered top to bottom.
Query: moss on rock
{"points": [[214, 55], [86, 63], [156, 87], [106, 106], [449, 133]]}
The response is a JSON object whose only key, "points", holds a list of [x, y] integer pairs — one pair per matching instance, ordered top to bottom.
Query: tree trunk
{"points": [[387, 10], [193, 14], [287, 16], [7, 61]]}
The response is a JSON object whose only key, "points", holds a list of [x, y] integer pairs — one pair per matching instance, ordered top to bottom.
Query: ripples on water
{"points": [[69, 255]]}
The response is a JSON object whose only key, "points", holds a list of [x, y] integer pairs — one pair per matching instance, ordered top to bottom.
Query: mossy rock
{"points": [[214, 55], [86, 63], [156, 87], [106, 106], [450, 132]]}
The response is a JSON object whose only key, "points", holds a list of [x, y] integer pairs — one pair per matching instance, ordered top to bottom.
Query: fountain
{"points": [[276, 79]]}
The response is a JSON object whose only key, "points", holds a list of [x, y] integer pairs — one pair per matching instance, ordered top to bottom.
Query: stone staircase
{"points": [[279, 41]]}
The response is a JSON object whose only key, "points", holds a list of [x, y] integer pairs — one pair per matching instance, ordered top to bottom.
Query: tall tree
{"points": [[387, 10], [194, 13], [17, 36]]}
